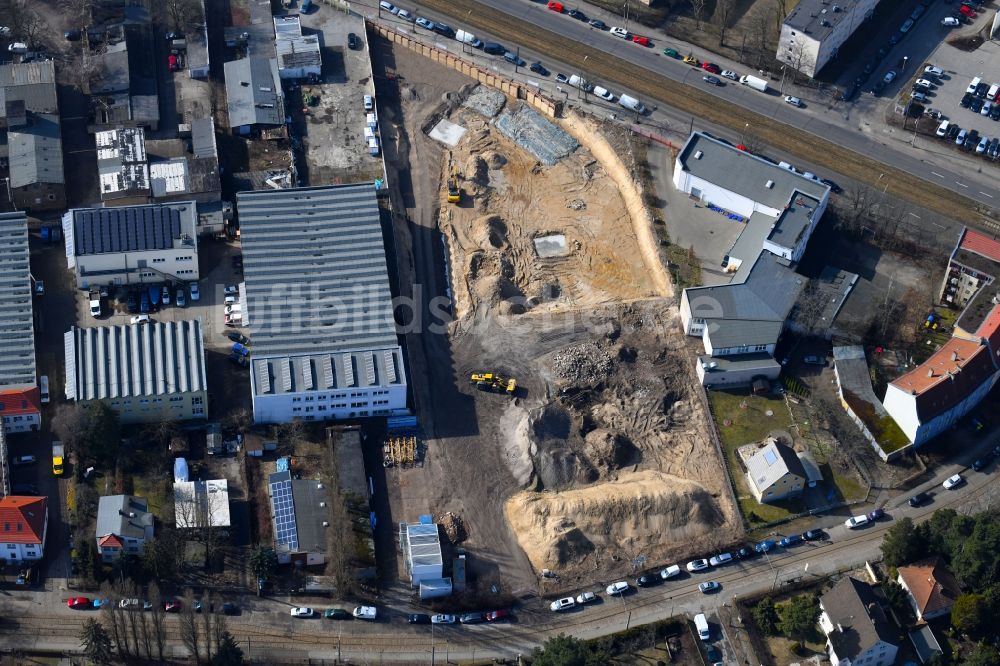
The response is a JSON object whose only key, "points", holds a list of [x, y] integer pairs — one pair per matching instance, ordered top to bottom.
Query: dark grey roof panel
{"points": [[130, 229], [17, 334]]}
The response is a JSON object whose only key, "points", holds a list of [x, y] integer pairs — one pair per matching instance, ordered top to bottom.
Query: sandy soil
{"points": [[603, 455]]}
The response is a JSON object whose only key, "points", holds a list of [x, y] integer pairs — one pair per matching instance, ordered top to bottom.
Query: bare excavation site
{"points": [[599, 462]]}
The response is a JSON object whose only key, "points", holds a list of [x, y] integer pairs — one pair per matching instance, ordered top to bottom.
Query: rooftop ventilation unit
{"points": [[698, 154], [769, 184]]}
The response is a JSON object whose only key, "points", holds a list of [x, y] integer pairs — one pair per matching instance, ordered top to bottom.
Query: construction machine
{"points": [[454, 193], [494, 383]]}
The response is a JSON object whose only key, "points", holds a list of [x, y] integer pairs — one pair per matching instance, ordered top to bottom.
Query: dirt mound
{"points": [[494, 160], [476, 171], [490, 231], [609, 450], [647, 512], [453, 527]]}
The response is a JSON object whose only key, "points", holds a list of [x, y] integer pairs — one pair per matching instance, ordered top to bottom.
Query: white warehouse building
{"points": [[132, 244], [320, 309]]}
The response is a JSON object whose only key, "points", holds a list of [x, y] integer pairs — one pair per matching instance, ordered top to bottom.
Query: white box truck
{"points": [[468, 38], [754, 82], [581, 83], [632, 104], [701, 624]]}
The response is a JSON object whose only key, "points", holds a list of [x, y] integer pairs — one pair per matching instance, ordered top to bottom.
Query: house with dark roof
{"points": [[254, 94], [29, 116], [132, 244], [739, 322], [935, 395], [21, 410], [775, 473], [299, 517], [124, 525], [24, 526], [931, 588], [858, 632]]}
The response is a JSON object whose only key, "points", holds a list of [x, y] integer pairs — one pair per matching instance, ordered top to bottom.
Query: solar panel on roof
{"points": [[389, 361], [370, 367], [349, 370], [328, 371], [286, 374], [307, 374], [264, 377], [770, 457], [283, 506]]}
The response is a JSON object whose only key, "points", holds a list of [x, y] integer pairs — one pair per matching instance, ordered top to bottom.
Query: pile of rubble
{"points": [[536, 134], [585, 363], [452, 526]]}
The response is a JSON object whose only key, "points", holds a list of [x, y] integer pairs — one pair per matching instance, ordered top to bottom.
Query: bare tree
{"points": [[698, 12], [780, 12], [180, 14], [723, 16], [23, 19], [760, 35], [807, 315], [238, 420], [161, 432], [113, 614], [206, 616], [157, 619], [189, 626], [145, 633]]}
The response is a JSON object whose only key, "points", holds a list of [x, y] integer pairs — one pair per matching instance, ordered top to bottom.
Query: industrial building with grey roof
{"points": [[254, 95], [30, 117], [779, 208], [319, 305], [17, 331], [146, 372]]}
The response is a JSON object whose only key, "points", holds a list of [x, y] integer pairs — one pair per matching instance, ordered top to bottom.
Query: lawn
{"points": [[741, 419], [155, 490]]}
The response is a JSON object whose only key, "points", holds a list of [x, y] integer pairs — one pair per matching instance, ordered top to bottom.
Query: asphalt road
{"points": [[815, 118], [44, 622]]}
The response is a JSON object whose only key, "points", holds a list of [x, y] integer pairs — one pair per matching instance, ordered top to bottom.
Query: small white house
{"points": [[24, 525]]}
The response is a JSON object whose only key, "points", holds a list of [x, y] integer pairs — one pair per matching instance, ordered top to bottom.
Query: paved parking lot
{"points": [[960, 68]]}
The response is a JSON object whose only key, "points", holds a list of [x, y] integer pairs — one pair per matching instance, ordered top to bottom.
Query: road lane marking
{"points": [[937, 174], [960, 184], [986, 195]]}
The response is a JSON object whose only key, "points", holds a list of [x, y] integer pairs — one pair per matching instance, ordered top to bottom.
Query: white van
{"points": [[468, 38], [973, 85], [994, 89], [942, 129], [43, 388], [701, 624]]}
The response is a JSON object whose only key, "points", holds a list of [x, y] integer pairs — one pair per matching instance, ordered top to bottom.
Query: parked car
{"points": [[577, 14], [405, 15], [950, 22], [424, 23], [599, 24], [444, 29], [619, 32], [72, 35], [352, 41], [641, 41], [514, 59], [691, 60], [711, 67], [538, 68], [931, 70], [730, 74], [889, 77], [561, 78], [711, 80], [924, 83], [604, 93], [794, 101], [195, 292], [165, 295], [180, 299], [140, 319], [236, 336], [23, 460], [980, 463], [953, 482], [919, 499], [876, 514], [855, 522], [813, 535], [790, 540], [765, 546], [746, 553], [720, 559], [698, 565], [670, 572], [648, 580], [709, 586], [619, 588], [586, 598], [78, 603], [562, 604], [172, 606], [229, 608], [302, 611], [337, 614], [498, 615], [418, 618], [442, 618], [472, 618]]}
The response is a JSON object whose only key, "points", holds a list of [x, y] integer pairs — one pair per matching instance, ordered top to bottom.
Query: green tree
{"points": [[903, 544], [263, 562], [976, 562], [899, 600], [970, 614], [765, 615], [799, 617], [96, 642], [563, 650], [227, 653], [982, 655]]}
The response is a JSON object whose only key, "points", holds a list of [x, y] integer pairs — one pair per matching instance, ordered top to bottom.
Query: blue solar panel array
{"points": [[284, 514]]}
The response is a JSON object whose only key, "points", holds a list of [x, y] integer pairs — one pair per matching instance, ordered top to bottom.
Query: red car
{"points": [[556, 7], [967, 11], [641, 41], [172, 63], [711, 67], [78, 602], [172, 607], [497, 615]]}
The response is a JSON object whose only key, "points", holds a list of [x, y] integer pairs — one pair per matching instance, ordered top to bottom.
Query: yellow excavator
{"points": [[454, 192], [494, 383]]}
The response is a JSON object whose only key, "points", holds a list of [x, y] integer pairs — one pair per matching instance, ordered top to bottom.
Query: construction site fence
{"points": [[442, 56], [654, 136]]}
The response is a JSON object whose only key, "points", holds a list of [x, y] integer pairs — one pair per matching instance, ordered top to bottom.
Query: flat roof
{"points": [[819, 18], [33, 83], [253, 92], [35, 151], [746, 174], [794, 220], [142, 228], [315, 271], [768, 294], [17, 330], [738, 333], [154, 359], [201, 503], [422, 546]]}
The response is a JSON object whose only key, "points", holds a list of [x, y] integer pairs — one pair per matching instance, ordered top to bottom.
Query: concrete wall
{"points": [[809, 55], [540, 102]]}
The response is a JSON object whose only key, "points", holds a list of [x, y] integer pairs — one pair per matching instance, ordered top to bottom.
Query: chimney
{"points": [[954, 356], [930, 372]]}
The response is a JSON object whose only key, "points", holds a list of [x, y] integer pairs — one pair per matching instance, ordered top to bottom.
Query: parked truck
{"points": [[754, 82], [581, 83], [632, 104], [58, 461]]}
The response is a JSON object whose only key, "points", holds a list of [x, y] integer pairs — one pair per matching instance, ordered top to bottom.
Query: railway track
{"points": [[698, 103]]}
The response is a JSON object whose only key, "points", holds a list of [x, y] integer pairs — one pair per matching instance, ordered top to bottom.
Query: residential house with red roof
{"points": [[20, 410], [124, 525], [23, 527], [930, 587]]}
